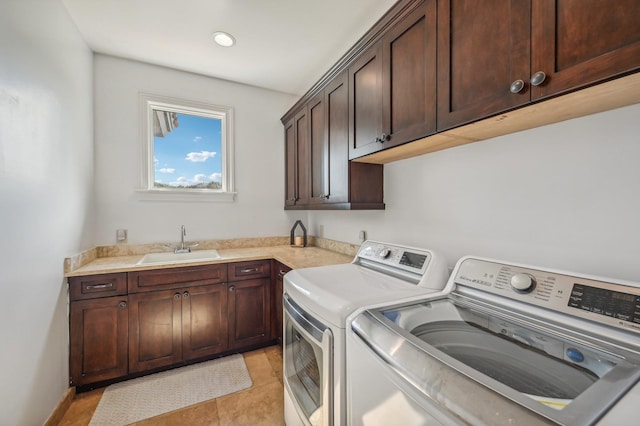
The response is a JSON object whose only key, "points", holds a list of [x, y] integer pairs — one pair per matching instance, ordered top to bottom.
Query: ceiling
{"points": [[282, 45]]}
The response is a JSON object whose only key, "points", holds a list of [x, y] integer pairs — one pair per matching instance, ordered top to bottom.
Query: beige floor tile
{"points": [[274, 354], [259, 367], [262, 404], [259, 406], [82, 408], [203, 414]]}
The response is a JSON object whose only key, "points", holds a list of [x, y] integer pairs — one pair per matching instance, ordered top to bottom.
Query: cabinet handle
{"points": [[538, 78], [517, 86], [383, 138], [248, 270], [281, 273], [94, 286], [232, 288], [185, 294], [176, 296], [122, 304]]}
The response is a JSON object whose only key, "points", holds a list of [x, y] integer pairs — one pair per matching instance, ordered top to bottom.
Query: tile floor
{"points": [[261, 404]]}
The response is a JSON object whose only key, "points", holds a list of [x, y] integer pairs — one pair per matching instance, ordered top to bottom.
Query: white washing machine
{"points": [[317, 302], [507, 344]]}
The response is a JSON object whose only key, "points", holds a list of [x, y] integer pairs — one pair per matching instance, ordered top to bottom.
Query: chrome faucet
{"points": [[182, 248]]}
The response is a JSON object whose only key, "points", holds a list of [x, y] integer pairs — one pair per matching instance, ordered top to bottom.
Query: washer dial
{"points": [[523, 282]]}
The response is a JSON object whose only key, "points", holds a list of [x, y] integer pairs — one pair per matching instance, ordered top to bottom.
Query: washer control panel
{"points": [[389, 255], [608, 302]]}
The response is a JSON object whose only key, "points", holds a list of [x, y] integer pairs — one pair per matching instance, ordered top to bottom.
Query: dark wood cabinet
{"points": [[582, 42], [483, 46], [496, 56], [393, 85], [365, 103], [297, 153], [336, 183], [279, 271], [249, 303], [249, 312], [158, 318], [171, 326], [155, 330], [98, 336]]}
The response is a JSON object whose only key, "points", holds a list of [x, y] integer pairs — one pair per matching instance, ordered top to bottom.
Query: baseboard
{"points": [[56, 417]]}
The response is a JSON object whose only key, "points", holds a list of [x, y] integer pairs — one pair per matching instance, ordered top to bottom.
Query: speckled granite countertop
{"points": [[294, 257]]}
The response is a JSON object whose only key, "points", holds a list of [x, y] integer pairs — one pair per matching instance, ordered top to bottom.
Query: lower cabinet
{"points": [[249, 313], [130, 323], [170, 326], [98, 334]]}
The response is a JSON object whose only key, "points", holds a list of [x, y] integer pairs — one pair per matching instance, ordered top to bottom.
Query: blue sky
{"points": [[190, 153]]}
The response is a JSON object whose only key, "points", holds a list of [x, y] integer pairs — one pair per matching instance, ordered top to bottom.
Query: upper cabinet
{"points": [[582, 42], [496, 56], [433, 74], [393, 85], [296, 154], [329, 180]]}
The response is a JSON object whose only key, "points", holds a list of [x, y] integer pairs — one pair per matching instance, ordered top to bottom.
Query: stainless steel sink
{"points": [[169, 257]]}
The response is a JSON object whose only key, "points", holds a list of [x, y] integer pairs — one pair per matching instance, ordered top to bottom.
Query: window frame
{"points": [[147, 190]]}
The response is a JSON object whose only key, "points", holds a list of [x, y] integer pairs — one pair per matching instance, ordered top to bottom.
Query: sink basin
{"points": [[168, 257]]}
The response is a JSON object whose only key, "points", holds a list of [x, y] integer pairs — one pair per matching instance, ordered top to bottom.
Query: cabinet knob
{"points": [[538, 78], [516, 86], [383, 138], [232, 288], [185, 294], [176, 296], [122, 304]]}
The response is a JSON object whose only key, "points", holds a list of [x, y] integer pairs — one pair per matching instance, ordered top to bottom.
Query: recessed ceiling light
{"points": [[223, 39]]}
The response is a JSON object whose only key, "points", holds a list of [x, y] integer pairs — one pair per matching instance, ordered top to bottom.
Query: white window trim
{"points": [[146, 191]]}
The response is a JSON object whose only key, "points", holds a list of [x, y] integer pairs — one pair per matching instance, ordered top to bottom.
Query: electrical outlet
{"points": [[321, 231], [121, 235], [362, 236]]}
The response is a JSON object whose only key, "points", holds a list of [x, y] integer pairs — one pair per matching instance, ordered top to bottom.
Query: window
{"points": [[187, 150]]}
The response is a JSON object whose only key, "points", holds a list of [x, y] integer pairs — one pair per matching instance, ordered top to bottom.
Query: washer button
{"points": [[575, 355]]}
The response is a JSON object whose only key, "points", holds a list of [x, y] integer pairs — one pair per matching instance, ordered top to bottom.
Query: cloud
{"points": [[197, 139], [199, 157], [167, 170], [215, 177], [200, 178]]}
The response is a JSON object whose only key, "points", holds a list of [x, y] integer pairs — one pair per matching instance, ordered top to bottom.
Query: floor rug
{"points": [[134, 400]]}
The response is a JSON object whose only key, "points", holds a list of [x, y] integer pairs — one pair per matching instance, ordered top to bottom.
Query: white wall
{"points": [[259, 157], [46, 167], [564, 195]]}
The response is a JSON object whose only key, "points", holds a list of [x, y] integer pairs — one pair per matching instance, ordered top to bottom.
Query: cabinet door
{"points": [[582, 42], [483, 47], [409, 77], [365, 103], [337, 112], [301, 123], [318, 150], [291, 173], [249, 313], [204, 321], [155, 329], [98, 340]]}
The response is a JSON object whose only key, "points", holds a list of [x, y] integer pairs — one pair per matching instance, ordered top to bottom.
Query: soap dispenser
{"points": [[297, 240]]}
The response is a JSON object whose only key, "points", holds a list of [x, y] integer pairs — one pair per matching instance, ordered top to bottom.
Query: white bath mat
{"points": [[149, 396]]}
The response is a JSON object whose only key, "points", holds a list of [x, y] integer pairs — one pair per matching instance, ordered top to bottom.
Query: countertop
{"points": [[294, 257]]}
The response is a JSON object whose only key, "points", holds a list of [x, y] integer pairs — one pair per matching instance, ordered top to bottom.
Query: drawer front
{"points": [[248, 270], [172, 278], [96, 286]]}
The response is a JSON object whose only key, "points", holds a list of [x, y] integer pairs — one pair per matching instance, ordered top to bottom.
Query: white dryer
{"points": [[317, 302]]}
